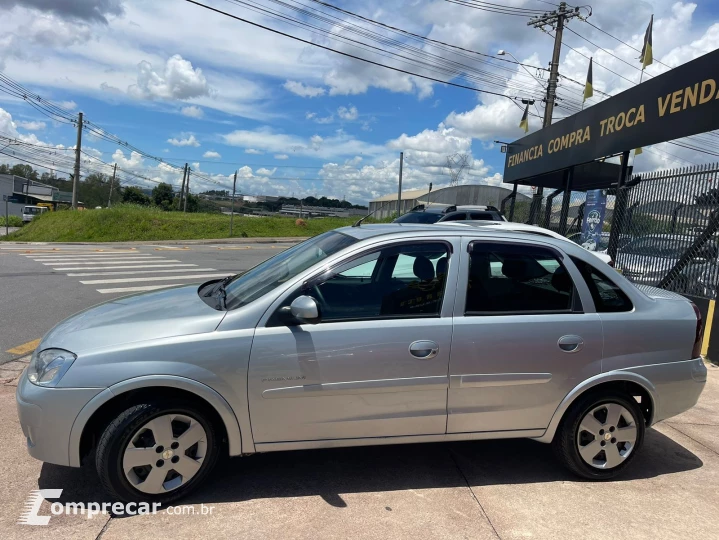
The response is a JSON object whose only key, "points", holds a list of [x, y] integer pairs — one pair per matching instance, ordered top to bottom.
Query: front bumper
{"points": [[678, 386], [46, 417]]}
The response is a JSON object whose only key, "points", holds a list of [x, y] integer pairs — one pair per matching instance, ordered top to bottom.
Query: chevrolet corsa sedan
{"points": [[378, 334]]}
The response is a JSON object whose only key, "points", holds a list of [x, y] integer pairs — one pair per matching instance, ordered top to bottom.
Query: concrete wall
{"points": [[7, 185]]}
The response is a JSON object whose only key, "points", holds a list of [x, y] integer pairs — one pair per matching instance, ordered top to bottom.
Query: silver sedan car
{"points": [[379, 334]]}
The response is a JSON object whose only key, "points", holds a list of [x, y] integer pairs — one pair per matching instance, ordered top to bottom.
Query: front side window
{"points": [[419, 217], [284, 266], [513, 278], [403, 281], [608, 297]]}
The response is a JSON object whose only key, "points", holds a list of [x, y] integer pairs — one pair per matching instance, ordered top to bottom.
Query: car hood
{"points": [[641, 267], [159, 314]]}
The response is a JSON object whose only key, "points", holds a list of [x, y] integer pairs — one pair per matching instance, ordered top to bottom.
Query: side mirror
{"points": [[305, 310]]}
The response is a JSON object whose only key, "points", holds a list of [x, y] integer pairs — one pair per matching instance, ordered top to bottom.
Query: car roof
{"points": [[465, 228]]}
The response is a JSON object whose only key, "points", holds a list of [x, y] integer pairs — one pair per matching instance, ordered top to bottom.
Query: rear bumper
{"points": [[677, 386]]}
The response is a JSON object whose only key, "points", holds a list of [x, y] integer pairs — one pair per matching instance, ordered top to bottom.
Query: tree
{"points": [[26, 171], [162, 195], [135, 196]]}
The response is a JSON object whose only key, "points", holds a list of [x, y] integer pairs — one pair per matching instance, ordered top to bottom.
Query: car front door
{"points": [[525, 334], [376, 365]]}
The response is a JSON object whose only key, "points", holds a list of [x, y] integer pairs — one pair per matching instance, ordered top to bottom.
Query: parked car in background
{"points": [[29, 212], [439, 213], [533, 229], [649, 258]]}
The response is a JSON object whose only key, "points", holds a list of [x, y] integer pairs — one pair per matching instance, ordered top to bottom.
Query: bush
{"points": [[14, 221]]}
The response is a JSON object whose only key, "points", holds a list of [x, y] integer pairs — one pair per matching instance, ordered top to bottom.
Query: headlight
{"points": [[47, 367]]}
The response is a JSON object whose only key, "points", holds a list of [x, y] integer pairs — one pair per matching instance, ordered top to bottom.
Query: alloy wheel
{"points": [[606, 436], [165, 453]]}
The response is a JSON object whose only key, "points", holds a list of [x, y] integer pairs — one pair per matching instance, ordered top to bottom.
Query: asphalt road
{"points": [[42, 284]]}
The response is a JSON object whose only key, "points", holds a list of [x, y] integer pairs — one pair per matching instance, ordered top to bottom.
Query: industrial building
{"points": [[29, 192], [467, 194]]}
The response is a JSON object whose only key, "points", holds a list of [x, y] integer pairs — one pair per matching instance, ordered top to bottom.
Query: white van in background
{"points": [[29, 212]]}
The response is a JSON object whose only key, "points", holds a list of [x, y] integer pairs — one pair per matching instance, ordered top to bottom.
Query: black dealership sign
{"points": [[681, 102]]}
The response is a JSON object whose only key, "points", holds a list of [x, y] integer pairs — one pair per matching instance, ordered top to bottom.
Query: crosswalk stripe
{"points": [[58, 254], [91, 257], [113, 258], [119, 261], [78, 268], [134, 272], [159, 278], [137, 289]]}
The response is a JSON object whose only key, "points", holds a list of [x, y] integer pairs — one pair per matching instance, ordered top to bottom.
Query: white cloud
{"points": [[90, 10], [177, 80], [303, 90], [69, 105], [193, 111], [348, 114], [32, 125], [187, 141], [270, 141], [253, 151], [211, 154], [281, 156], [135, 160], [263, 171]]}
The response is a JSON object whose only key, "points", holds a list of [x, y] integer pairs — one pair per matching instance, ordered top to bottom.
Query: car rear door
{"points": [[525, 334], [376, 365]]}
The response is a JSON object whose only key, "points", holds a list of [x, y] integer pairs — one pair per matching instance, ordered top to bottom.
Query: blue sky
{"points": [[188, 85]]}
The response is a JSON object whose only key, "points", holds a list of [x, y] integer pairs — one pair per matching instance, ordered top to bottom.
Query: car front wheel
{"points": [[600, 435], [156, 452]]}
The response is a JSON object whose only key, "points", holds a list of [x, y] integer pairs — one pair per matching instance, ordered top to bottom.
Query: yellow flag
{"points": [[647, 57], [588, 88], [524, 122]]}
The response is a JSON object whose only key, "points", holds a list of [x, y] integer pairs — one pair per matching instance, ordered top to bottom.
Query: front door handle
{"points": [[570, 344], [424, 349]]}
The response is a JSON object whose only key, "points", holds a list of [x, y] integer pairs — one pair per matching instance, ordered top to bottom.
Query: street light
{"points": [[502, 52]]}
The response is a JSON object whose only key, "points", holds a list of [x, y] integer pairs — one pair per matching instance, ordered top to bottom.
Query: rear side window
{"points": [[459, 216], [481, 216], [517, 278], [608, 297]]}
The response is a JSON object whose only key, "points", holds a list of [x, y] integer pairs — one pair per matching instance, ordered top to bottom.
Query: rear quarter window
{"points": [[607, 296]]}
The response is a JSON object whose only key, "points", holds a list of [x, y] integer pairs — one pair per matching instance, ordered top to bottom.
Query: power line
{"points": [[348, 55]]}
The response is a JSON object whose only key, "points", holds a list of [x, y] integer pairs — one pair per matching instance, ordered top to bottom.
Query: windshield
{"points": [[32, 210], [419, 217], [284, 266]]}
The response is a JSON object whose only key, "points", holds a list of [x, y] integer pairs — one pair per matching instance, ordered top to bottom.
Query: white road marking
{"points": [[88, 255], [115, 258], [121, 261], [69, 269], [134, 272], [160, 278], [137, 289]]}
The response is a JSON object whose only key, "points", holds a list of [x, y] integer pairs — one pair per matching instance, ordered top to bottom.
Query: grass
{"points": [[14, 221], [125, 223]]}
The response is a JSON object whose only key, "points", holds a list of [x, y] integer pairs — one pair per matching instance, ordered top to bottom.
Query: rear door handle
{"points": [[570, 344], [424, 349]]}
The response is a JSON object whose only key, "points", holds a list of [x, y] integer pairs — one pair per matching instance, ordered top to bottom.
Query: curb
{"points": [[254, 240]]}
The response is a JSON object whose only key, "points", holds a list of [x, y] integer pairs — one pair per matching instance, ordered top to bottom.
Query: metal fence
{"points": [[664, 232], [666, 235]]}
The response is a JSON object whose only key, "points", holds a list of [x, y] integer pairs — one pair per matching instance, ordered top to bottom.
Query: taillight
{"points": [[697, 349]]}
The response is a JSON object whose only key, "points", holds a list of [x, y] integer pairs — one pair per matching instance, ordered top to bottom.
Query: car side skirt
{"points": [[376, 441]]}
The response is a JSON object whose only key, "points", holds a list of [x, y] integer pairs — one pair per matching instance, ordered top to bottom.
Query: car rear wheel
{"points": [[600, 435], [156, 452]]}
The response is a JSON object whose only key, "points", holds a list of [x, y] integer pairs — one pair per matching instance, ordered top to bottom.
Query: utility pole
{"points": [[557, 19], [76, 176], [182, 189], [187, 190], [399, 190], [109, 199], [232, 214]]}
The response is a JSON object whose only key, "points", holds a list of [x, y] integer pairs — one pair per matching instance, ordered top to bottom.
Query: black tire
{"points": [[117, 435], [565, 440]]}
